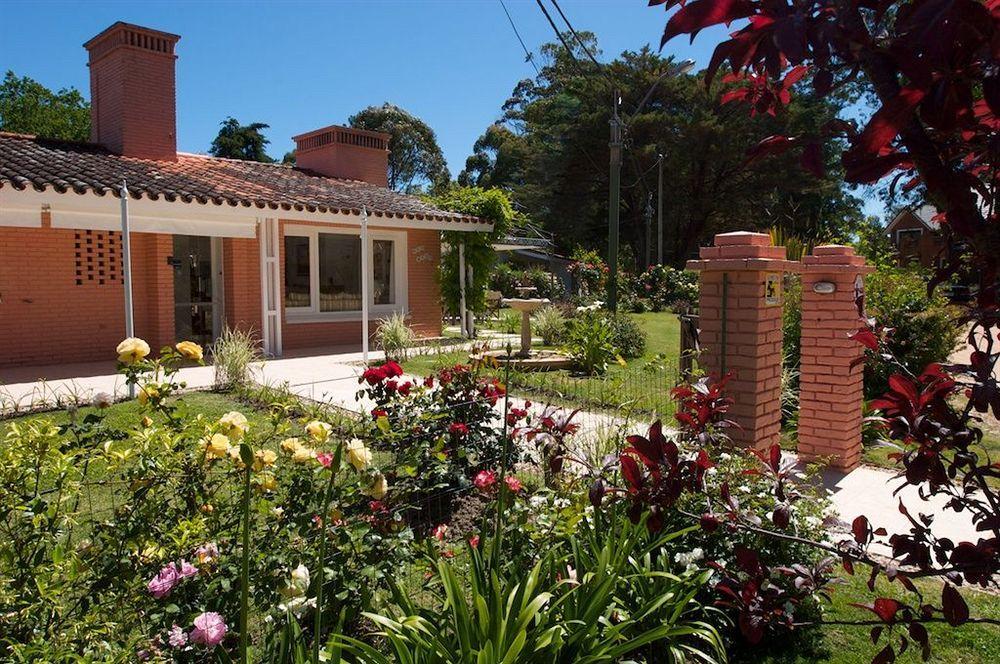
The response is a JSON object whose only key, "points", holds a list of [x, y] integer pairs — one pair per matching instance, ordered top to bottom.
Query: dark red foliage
{"points": [[931, 64], [701, 410], [662, 477]]}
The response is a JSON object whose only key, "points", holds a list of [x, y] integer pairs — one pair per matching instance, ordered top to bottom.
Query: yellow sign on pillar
{"points": [[772, 289]]}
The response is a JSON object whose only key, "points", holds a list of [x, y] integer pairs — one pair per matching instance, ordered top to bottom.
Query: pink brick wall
{"points": [[46, 317]]}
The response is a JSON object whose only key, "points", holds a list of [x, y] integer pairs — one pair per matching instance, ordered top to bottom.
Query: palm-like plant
{"points": [[605, 596]]}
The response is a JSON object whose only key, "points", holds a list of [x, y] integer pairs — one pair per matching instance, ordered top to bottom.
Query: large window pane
{"points": [[296, 271], [339, 272], [384, 286]]}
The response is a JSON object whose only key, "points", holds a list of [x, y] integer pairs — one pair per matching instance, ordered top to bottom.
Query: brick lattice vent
{"points": [[98, 257]]}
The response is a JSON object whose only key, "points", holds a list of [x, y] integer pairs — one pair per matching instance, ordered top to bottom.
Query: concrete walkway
{"points": [[331, 376]]}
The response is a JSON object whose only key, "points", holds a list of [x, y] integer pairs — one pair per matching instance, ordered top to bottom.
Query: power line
{"points": [[559, 34], [575, 35], [530, 57]]}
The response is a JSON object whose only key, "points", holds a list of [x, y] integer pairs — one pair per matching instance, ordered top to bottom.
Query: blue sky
{"points": [[303, 65], [299, 66]]}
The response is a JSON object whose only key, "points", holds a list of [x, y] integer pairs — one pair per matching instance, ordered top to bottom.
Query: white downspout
{"points": [[127, 272]]}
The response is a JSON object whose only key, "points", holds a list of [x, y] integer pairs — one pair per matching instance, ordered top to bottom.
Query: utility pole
{"points": [[613, 204], [659, 210], [647, 215]]}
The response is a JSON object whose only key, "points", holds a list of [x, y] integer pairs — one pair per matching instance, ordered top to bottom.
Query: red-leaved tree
{"points": [[933, 69]]}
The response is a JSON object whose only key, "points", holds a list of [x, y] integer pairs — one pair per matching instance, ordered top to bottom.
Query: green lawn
{"points": [[642, 384], [844, 644]]}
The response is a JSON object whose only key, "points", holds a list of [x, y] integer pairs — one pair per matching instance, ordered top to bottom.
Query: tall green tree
{"points": [[28, 107], [236, 141], [549, 149], [415, 158]]}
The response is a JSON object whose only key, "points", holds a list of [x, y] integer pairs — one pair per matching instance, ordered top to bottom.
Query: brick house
{"points": [[916, 236], [214, 242]]}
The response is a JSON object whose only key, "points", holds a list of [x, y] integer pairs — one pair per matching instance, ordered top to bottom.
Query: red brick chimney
{"points": [[132, 91], [342, 152]]}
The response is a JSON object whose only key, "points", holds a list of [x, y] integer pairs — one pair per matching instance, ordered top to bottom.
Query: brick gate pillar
{"points": [[739, 316], [830, 392]]}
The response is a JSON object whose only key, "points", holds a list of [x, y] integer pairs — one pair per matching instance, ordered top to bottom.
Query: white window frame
{"points": [[312, 314]]}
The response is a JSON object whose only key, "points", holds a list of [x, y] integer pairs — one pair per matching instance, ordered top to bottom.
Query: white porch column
{"points": [[365, 279], [270, 286], [463, 323]]}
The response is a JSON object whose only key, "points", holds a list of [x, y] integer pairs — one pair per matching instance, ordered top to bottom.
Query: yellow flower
{"points": [[132, 350], [190, 350], [146, 393], [147, 421], [234, 424], [319, 431], [290, 445], [216, 447], [234, 454], [303, 455], [358, 455], [264, 459], [267, 482], [379, 487], [207, 508]]}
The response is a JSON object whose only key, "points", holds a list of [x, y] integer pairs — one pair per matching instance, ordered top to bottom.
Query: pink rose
{"points": [[513, 483], [186, 569], [161, 584], [209, 629], [176, 637]]}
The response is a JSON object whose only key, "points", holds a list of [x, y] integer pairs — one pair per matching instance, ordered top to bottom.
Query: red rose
{"points": [[485, 479], [513, 483]]}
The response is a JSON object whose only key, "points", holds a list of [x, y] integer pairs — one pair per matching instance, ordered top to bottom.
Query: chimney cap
{"points": [[123, 26], [332, 128]]}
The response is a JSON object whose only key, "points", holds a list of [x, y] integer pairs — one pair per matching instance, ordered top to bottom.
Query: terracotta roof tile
{"points": [[28, 161]]}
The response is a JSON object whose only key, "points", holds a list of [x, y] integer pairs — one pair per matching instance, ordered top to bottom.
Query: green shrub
{"points": [[504, 278], [545, 283], [791, 321], [509, 322], [550, 324], [924, 329], [394, 336], [629, 337], [590, 342], [233, 354]]}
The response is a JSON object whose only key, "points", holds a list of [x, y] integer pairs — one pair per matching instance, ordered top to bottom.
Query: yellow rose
{"points": [[132, 350], [189, 350], [146, 393], [234, 424], [319, 431], [290, 445], [216, 447], [234, 454], [303, 455], [358, 455], [264, 459], [267, 482], [379, 487]]}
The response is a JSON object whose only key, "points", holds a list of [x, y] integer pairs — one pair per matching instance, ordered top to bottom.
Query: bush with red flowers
{"points": [[442, 430]]}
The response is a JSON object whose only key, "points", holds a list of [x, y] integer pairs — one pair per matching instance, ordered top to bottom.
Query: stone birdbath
{"points": [[526, 307]]}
